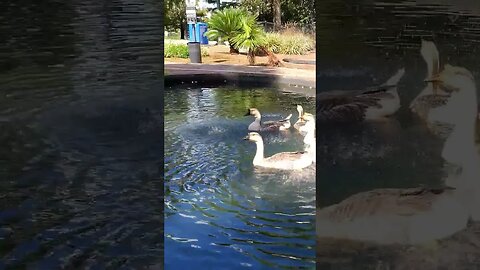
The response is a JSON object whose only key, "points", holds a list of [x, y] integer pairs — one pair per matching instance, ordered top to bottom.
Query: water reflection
{"points": [[386, 35], [80, 114], [220, 211]]}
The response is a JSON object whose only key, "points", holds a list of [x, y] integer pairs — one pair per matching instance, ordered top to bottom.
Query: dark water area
{"points": [[363, 43], [81, 134], [220, 211]]}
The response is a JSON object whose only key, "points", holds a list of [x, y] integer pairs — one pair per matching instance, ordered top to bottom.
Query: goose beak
{"points": [[432, 79], [248, 113], [246, 138]]}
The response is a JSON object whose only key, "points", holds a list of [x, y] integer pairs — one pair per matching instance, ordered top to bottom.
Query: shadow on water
{"points": [[360, 43], [81, 121], [220, 211]]}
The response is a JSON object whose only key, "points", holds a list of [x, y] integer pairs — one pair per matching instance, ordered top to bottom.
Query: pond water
{"points": [[361, 43], [80, 140], [220, 212]]}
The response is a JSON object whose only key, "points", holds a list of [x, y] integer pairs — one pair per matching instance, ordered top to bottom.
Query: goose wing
{"points": [[382, 91], [422, 104], [351, 106], [344, 108], [278, 122], [271, 127], [284, 156], [403, 202]]}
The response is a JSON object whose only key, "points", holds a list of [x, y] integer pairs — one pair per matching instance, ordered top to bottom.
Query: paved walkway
{"points": [[286, 73]]}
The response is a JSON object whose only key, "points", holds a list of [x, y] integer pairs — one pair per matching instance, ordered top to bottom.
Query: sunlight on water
{"points": [[222, 212]]}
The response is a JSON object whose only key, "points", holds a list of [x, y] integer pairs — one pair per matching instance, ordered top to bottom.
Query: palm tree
{"points": [[226, 24], [252, 38]]}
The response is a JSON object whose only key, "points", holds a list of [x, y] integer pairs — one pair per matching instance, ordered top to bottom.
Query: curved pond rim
{"points": [[300, 61], [241, 80]]}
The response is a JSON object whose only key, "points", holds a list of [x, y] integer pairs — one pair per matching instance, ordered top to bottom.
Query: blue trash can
{"points": [[200, 30], [191, 32]]}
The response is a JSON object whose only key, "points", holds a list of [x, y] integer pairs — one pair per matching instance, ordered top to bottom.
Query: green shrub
{"points": [[226, 24], [289, 43], [173, 50]]}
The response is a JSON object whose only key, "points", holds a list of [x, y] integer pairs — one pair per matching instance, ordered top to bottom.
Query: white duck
{"points": [[432, 104], [356, 106], [257, 124], [300, 124], [309, 139], [283, 160], [417, 215]]}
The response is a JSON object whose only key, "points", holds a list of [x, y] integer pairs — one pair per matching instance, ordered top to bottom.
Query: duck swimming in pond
{"points": [[371, 104], [432, 104], [300, 122], [258, 125], [309, 139], [282, 161], [419, 215]]}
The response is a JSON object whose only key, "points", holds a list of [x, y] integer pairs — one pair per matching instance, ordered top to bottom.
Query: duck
{"points": [[432, 103], [370, 104], [258, 125], [299, 125], [309, 139], [461, 148], [282, 160], [417, 215], [394, 216]]}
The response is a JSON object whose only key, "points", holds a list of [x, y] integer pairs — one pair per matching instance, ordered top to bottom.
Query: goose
{"points": [[432, 103], [371, 104], [257, 125], [299, 125], [309, 139], [283, 160], [417, 215]]}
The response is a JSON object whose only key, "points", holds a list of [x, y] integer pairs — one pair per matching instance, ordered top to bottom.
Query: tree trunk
{"points": [[277, 15], [182, 30], [233, 50], [251, 57], [273, 61]]}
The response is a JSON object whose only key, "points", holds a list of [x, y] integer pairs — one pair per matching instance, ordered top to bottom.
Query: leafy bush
{"points": [[226, 24], [289, 42], [173, 50]]}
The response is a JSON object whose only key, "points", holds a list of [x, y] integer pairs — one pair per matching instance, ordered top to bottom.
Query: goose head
{"points": [[454, 79], [253, 111], [254, 137]]}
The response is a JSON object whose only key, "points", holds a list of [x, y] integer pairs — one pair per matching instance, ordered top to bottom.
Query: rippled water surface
{"points": [[365, 42], [80, 135], [221, 213]]}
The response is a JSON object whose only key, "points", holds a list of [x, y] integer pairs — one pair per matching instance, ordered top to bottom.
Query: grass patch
{"points": [[290, 42], [173, 50]]}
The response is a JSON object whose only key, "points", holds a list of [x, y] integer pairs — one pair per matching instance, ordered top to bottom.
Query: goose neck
{"points": [[259, 157]]}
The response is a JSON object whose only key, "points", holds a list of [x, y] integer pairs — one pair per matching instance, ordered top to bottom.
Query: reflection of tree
{"points": [[39, 31], [176, 101], [234, 102], [18, 146]]}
